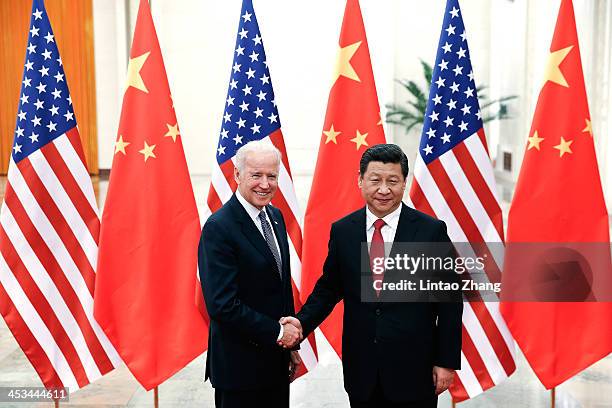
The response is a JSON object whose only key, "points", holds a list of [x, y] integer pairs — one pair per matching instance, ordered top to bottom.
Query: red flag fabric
{"points": [[352, 124], [558, 198], [146, 278]]}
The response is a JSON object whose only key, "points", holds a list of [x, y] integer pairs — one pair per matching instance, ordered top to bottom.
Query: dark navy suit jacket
{"points": [[245, 298], [392, 342]]}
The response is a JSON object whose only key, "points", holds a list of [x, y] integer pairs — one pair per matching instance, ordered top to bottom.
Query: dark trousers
{"points": [[277, 397], [378, 400]]}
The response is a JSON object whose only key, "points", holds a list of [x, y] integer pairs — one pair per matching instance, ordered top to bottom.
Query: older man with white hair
{"points": [[244, 265]]}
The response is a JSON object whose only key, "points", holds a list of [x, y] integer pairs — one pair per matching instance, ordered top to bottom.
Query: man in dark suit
{"points": [[244, 267], [394, 354]]}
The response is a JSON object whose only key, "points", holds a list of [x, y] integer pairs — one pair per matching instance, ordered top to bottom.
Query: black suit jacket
{"points": [[245, 298], [396, 342]]}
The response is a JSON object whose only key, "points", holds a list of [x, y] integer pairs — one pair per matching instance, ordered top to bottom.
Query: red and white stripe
{"points": [[459, 188], [221, 189], [49, 229]]}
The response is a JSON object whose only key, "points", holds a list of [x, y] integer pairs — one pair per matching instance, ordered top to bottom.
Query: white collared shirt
{"points": [[254, 214], [388, 230]]}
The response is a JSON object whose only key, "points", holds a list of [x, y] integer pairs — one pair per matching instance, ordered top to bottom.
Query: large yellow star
{"points": [[343, 63], [553, 72], [133, 76], [588, 127], [173, 131], [331, 135], [360, 140], [534, 141], [120, 145], [564, 147], [148, 151]]}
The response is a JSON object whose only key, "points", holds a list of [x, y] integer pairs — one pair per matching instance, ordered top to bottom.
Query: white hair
{"points": [[256, 146]]}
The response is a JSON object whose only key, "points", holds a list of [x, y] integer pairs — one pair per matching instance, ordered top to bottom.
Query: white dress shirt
{"points": [[254, 214], [388, 230]]}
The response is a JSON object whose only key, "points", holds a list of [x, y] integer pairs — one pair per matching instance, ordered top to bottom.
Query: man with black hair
{"points": [[394, 354]]}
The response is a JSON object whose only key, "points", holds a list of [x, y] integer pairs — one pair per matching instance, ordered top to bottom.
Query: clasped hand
{"points": [[292, 332]]}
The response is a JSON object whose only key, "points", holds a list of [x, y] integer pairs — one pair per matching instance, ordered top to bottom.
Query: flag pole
{"points": [[155, 397], [552, 397], [56, 400], [454, 404]]}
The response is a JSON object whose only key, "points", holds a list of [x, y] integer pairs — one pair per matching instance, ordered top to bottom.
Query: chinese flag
{"points": [[352, 123], [558, 198], [146, 278]]}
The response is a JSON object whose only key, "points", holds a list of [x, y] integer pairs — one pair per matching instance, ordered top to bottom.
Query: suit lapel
{"points": [[359, 227], [406, 227], [251, 232], [358, 234]]}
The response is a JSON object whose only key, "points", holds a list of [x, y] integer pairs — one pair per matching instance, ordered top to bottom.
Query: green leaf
{"points": [[427, 72], [412, 113], [410, 126]]}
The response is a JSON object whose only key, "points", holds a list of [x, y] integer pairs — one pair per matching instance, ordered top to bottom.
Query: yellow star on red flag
{"points": [[343, 64], [553, 72], [134, 79], [588, 127], [173, 131], [331, 135], [360, 139], [534, 141], [120, 145], [564, 147], [148, 151]]}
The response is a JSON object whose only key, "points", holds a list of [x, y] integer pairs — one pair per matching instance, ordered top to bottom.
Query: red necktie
{"points": [[377, 250]]}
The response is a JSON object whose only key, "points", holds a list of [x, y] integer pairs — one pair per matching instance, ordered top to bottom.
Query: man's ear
{"points": [[237, 175], [359, 180]]}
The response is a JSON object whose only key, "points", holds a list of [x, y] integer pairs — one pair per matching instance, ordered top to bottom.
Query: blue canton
{"points": [[45, 109], [250, 109], [453, 113]]}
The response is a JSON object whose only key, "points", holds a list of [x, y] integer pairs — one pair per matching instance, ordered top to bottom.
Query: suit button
{"points": [[378, 312]]}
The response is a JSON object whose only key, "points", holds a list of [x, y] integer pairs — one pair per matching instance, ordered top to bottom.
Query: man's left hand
{"points": [[294, 363], [442, 378]]}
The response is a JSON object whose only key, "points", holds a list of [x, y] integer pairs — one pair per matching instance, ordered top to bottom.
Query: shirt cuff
{"points": [[280, 333]]}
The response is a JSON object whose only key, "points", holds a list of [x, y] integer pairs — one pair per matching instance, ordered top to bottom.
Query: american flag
{"points": [[251, 114], [453, 180], [49, 228]]}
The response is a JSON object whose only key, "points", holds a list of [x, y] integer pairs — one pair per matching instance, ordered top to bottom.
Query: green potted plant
{"points": [[413, 113]]}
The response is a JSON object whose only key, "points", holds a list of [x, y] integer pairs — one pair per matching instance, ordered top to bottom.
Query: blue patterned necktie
{"points": [[269, 237]]}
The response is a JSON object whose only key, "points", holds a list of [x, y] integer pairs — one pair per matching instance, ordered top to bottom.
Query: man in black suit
{"points": [[244, 268], [394, 354]]}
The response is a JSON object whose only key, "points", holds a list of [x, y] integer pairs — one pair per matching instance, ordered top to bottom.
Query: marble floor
{"points": [[321, 388]]}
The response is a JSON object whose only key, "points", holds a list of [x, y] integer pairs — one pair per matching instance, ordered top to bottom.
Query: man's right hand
{"points": [[292, 332]]}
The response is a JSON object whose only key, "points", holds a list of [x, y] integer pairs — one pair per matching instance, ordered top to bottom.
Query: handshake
{"points": [[292, 332]]}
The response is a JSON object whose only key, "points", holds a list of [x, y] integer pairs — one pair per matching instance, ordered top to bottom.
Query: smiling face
{"points": [[258, 179], [382, 187]]}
